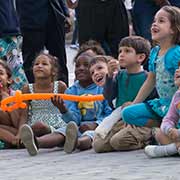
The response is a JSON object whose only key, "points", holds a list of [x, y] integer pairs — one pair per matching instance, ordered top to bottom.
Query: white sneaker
{"points": [[74, 46], [153, 151]]}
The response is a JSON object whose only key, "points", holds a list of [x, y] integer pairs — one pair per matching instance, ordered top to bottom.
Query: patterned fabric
{"points": [[9, 52], [165, 88], [45, 111]]}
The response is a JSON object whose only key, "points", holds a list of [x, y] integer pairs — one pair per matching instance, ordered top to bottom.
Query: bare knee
{"points": [[162, 138]]}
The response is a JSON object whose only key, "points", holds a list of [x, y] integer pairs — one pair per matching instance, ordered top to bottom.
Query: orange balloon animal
{"points": [[14, 102]]}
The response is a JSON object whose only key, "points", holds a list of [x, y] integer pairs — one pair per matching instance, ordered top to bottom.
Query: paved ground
{"points": [[54, 164]]}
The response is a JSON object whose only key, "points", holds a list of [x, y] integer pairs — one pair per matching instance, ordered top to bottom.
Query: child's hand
{"points": [[113, 67], [177, 77], [59, 103], [126, 104], [87, 126], [173, 134]]}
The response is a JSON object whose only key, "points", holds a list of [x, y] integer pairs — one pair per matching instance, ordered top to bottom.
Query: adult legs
{"points": [[33, 43], [55, 43]]}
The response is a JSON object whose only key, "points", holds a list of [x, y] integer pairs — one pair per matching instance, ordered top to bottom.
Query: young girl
{"points": [[163, 62], [42, 115], [87, 115], [9, 122], [169, 135]]}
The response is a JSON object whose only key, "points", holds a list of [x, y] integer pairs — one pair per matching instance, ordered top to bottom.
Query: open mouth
{"points": [[99, 79]]}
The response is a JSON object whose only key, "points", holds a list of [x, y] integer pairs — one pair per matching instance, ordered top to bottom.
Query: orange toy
{"points": [[14, 102]]}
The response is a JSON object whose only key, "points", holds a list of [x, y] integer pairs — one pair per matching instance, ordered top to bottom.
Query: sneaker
{"points": [[74, 46], [71, 137], [28, 139], [155, 151]]}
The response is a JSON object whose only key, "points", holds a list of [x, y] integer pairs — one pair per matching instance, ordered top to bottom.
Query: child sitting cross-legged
{"points": [[113, 134], [169, 134]]}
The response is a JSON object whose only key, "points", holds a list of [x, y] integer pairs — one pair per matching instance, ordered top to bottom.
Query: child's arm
{"points": [[146, 88], [110, 89], [106, 111], [24, 112], [73, 113], [172, 117]]}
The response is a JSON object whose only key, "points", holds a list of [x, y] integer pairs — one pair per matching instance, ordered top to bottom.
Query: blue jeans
{"points": [[138, 114]]}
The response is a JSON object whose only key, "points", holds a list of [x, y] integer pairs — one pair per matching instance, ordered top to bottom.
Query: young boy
{"points": [[82, 117], [113, 134]]}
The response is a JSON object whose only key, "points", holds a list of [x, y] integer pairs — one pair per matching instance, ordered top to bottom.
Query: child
{"points": [[133, 52], [163, 62], [42, 115], [87, 115], [9, 121], [169, 135]]}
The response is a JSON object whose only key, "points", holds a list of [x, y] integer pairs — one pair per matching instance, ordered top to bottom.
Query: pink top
{"points": [[172, 117]]}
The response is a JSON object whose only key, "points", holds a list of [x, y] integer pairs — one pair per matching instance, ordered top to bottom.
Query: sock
{"points": [[166, 150]]}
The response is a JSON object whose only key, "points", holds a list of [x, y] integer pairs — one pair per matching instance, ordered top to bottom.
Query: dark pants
{"points": [[103, 21], [53, 38]]}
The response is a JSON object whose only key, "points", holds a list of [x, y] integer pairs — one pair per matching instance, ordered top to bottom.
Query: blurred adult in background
{"points": [[143, 14], [105, 21], [42, 24], [9, 32]]}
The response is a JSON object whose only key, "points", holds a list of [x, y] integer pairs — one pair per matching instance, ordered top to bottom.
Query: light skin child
{"points": [[173, 134]]}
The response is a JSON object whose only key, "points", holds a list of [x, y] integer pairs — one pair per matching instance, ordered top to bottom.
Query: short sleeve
{"points": [[172, 58]]}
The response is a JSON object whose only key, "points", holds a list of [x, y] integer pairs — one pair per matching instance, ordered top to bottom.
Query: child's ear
{"points": [[141, 57]]}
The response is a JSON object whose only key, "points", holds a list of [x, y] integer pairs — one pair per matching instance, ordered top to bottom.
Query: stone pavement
{"points": [[55, 164]]}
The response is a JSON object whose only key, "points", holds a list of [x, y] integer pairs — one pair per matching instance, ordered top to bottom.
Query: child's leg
{"points": [[139, 115], [5, 118], [40, 129], [103, 129], [7, 134], [131, 138], [162, 138], [51, 140], [47, 141], [84, 143], [101, 145], [167, 148], [154, 151]]}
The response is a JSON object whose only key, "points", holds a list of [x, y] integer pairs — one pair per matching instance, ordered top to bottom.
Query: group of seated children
{"points": [[125, 119]]}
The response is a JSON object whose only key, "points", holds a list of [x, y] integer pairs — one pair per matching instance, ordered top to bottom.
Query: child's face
{"points": [[161, 27], [127, 57], [42, 67], [82, 69], [98, 73], [177, 78], [4, 79]]}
